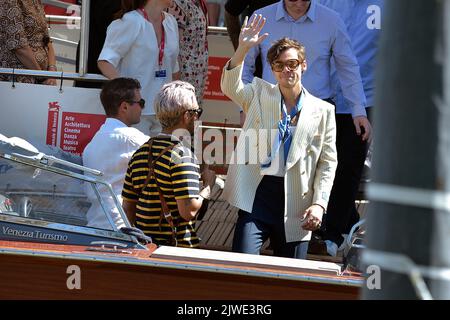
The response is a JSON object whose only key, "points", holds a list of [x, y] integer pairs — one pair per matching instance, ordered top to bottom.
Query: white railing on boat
{"points": [[53, 74]]}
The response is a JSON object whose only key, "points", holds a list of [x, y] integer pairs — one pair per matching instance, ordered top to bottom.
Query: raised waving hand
{"points": [[248, 38]]}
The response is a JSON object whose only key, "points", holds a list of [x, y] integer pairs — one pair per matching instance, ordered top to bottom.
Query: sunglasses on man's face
{"points": [[291, 64], [140, 102], [197, 112]]}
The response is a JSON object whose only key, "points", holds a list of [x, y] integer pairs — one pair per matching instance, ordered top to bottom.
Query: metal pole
{"points": [[84, 37], [411, 147], [441, 240]]}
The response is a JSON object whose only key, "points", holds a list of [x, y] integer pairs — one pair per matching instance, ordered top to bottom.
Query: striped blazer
{"points": [[312, 158]]}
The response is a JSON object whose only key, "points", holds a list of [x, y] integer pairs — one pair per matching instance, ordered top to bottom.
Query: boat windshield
{"points": [[32, 190]]}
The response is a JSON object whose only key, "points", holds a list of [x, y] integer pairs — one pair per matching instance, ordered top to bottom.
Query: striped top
{"points": [[178, 178]]}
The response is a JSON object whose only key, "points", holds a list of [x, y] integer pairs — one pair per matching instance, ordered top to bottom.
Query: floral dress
{"points": [[191, 16], [22, 23]]}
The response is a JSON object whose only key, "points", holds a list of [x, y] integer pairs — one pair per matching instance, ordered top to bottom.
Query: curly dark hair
{"points": [[283, 44]]}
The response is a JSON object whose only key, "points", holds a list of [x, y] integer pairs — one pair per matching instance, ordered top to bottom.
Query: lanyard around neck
{"points": [[163, 39]]}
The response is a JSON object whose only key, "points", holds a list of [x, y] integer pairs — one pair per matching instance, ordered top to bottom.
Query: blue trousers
{"points": [[266, 221]]}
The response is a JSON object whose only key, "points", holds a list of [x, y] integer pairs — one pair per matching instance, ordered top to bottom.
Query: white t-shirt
{"points": [[131, 46], [109, 151]]}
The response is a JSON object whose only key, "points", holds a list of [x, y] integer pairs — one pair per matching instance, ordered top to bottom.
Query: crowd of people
{"points": [[302, 68]]}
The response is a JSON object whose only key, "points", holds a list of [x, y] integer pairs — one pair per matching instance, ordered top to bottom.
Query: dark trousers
{"points": [[351, 150], [266, 221]]}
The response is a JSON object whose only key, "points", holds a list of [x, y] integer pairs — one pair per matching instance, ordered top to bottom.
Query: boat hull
{"points": [[45, 274]]}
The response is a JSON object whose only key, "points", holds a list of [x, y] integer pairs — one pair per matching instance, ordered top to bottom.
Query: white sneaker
{"points": [[332, 248]]}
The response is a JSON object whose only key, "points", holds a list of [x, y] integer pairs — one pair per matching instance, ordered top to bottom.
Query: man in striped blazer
{"points": [[283, 167]]}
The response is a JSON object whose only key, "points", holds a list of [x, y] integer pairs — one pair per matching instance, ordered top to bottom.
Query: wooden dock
{"points": [[216, 228]]}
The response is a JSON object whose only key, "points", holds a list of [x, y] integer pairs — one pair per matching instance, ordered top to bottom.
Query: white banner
{"points": [[43, 115]]}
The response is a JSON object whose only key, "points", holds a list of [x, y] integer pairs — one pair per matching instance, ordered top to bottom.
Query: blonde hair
{"points": [[172, 101]]}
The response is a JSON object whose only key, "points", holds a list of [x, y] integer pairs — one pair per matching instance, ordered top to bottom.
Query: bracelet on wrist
{"points": [[52, 66]]}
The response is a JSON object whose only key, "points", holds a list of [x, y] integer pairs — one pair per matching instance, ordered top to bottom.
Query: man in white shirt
{"points": [[113, 145]]}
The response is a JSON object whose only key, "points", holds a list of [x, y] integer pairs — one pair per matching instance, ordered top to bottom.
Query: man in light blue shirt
{"points": [[363, 22], [324, 36]]}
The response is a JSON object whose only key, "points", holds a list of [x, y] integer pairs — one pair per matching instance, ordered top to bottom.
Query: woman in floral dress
{"points": [[191, 16]]}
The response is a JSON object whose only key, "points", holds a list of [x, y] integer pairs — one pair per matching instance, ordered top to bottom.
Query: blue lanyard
{"points": [[285, 123], [284, 130]]}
